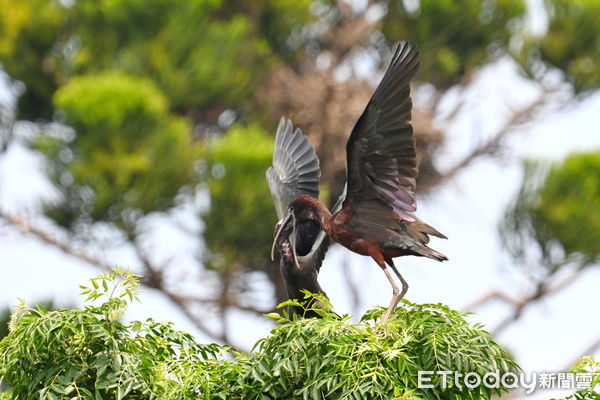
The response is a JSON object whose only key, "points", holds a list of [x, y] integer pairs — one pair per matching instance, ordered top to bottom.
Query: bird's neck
{"points": [[325, 215]]}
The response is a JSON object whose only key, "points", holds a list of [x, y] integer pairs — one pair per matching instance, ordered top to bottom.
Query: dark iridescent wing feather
{"points": [[382, 161], [295, 167]]}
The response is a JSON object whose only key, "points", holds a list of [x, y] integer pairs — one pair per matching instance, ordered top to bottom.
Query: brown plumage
{"points": [[376, 218]]}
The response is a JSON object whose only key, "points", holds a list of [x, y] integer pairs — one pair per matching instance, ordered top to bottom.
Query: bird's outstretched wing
{"points": [[382, 161], [295, 167]]}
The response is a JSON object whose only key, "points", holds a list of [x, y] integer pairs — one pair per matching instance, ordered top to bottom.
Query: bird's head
{"points": [[304, 208], [300, 226]]}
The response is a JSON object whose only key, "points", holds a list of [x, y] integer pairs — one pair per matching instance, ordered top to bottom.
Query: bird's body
{"points": [[377, 218], [347, 228], [301, 246], [300, 266]]}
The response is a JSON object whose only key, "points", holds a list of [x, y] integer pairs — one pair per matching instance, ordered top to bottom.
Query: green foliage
{"points": [[276, 19], [28, 32], [454, 40], [572, 43], [200, 53], [207, 53], [178, 60], [121, 73], [109, 105], [122, 159], [239, 193], [568, 209], [559, 212], [117, 287], [6, 312], [4, 317], [90, 354], [333, 358], [587, 365]]}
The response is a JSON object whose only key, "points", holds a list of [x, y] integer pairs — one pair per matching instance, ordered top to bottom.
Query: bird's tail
{"points": [[428, 229], [415, 239], [401, 245], [427, 251], [430, 253]]}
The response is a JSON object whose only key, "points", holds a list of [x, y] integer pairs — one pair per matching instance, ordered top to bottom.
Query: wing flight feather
{"points": [[382, 159], [295, 168]]}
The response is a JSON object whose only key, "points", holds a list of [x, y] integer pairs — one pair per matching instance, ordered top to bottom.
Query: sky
{"points": [[548, 336]]}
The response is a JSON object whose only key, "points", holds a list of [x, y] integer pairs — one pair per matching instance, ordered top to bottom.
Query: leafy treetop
{"points": [[91, 354]]}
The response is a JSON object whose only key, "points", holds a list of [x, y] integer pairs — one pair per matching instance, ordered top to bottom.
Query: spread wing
{"points": [[382, 162], [295, 167], [296, 171]]}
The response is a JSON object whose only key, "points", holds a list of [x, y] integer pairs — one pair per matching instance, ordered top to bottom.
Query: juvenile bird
{"points": [[301, 245]]}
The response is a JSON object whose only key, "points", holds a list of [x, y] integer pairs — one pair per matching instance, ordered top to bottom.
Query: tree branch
{"points": [[492, 145], [27, 228], [153, 278], [544, 288], [488, 297]]}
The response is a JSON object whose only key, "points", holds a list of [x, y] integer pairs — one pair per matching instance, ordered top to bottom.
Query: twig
{"points": [[493, 144], [26, 227], [152, 276], [155, 282], [543, 289], [488, 297], [229, 302], [183, 305]]}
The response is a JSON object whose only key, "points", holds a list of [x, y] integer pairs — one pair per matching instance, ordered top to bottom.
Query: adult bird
{"points": [[295, 171], [377, 215]]}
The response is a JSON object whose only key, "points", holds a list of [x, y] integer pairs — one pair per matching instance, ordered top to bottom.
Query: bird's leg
{"points": [[377, 255], [404, 283], [395, 296]]}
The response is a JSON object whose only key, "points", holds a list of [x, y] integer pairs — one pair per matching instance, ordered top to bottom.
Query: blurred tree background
{"points": [[144, 109]]}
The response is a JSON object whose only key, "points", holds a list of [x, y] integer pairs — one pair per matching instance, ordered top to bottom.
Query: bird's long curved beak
{"points": [[284, 222], [293, 244]]}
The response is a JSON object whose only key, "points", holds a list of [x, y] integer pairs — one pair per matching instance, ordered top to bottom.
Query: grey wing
{"points": [[382, 161], [295, 167]]}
